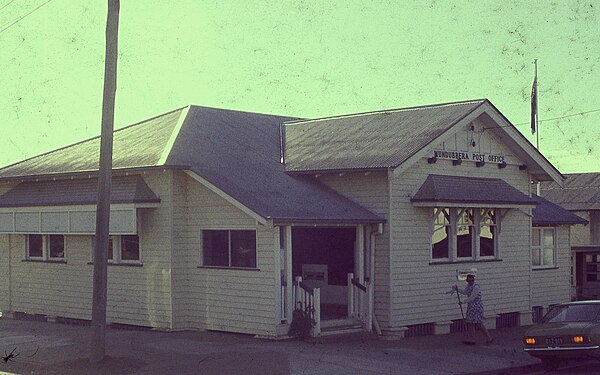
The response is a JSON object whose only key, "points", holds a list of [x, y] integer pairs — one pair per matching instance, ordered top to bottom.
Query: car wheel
{"points": [[550, 364]]}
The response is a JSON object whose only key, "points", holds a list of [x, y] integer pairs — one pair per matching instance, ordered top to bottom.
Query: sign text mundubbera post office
{"points": [[468, 155]]}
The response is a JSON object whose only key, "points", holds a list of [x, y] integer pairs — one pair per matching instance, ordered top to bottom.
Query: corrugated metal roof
{"points": [[371, 140], [136, 146], [239, 152], [128, 189], [469, 190], [581, 192], [548, 213]]}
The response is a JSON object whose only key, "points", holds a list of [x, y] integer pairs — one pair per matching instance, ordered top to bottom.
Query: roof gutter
{"points": [[333, 171], [89, 173]]}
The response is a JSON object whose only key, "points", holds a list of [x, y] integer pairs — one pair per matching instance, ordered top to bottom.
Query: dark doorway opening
{"points": [[324, 256]]}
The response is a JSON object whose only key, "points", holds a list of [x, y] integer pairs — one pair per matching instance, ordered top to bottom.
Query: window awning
{"points": [[126, 189], [454, 191], [69, 206]]}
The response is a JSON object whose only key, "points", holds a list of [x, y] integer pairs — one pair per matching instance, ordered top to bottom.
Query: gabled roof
{"points": [[396, 138], [372, 140], [238, 152], [125, 189], [470, 190], [581, 192], [548, 213]]}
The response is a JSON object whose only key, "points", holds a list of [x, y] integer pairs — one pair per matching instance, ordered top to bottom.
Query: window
{"points": [[441, 231], [465, 233], [487, 233], [461, 234], [46, 247], [542, 247], [229, 248], [122, 249]]}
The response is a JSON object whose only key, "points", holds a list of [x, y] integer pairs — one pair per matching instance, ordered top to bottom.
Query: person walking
{"points": [[474, 318]]}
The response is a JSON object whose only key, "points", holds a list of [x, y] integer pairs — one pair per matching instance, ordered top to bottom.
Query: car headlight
{"points": [[579, 339], [530, 341]]}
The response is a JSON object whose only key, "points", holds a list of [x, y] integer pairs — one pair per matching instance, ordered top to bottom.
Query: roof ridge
{"points": [[387, 111], [247, 112]]}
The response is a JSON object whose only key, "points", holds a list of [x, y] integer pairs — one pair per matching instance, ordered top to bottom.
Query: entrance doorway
{"points": [[324, 256], [587, 273]]}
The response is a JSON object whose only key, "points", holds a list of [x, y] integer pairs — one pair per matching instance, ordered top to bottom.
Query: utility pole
{"points": [[98, 342]]}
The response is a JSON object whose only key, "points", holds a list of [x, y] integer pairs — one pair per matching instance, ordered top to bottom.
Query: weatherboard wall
{"points": [[417, 285], [552, 285], [137, 295], [235, 300]]}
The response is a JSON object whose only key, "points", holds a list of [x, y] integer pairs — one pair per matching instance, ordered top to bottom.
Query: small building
{"points": [[581, 195], [227, 220]]}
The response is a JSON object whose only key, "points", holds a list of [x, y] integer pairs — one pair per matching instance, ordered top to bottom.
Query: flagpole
{"points": [[534, 116], [537, 128]]}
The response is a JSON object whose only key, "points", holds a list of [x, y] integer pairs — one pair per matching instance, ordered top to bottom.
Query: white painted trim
{"points": [[180, 121], [503, 125], [527, 147], [227, 197], [471, 205], [77, 208], [288, 273], [277, 274]]}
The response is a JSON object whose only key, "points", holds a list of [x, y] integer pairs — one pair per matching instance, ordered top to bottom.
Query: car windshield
{"points": [[573, 313]]}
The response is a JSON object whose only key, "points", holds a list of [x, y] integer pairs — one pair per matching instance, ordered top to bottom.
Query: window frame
{"points": [[478, 216], [46, 244], [541, 247], [117, 250], [229, 254]]}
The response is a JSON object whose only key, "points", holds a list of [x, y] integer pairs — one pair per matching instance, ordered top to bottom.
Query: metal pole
{"points": [[98, 342]]}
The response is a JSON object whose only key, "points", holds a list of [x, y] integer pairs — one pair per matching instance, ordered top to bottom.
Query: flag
{"points": [[534, 105]]}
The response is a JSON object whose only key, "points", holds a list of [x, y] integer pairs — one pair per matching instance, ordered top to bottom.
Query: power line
{"points": [[7, 4], [6, 27], [561, 117]]}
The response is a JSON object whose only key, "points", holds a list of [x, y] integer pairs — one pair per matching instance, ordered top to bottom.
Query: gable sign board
{"points": [[469, 155]]}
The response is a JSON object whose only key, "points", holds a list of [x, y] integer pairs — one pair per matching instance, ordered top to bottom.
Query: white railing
{"points": [[309, 300], [358, 301]]}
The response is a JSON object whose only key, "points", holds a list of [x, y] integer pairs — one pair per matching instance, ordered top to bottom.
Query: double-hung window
{"points": [[441, 234], [462, 234], [49, 247], [543, 247], [229, 248], [123, 249]]}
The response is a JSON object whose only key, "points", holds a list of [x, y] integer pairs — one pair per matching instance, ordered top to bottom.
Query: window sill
{"points": [[44, 261], [434, 263], [122, 264], [230, 268], [544, 268]]}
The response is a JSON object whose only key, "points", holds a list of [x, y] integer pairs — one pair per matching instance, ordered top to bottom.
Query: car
{"points": [[568, 331]]}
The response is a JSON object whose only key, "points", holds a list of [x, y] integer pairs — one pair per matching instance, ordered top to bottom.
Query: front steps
{"points": [[336, 327]]}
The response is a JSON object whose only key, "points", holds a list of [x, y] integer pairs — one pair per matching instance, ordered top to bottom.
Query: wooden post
{"points": [[288, 272], [350, 296], [317, 313], [98, 342]]}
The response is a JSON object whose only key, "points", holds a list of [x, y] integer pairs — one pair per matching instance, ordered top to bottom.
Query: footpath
{"points": [[54, 348]]}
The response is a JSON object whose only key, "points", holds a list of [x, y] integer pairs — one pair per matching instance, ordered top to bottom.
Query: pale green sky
{"points": [[300, 58]]}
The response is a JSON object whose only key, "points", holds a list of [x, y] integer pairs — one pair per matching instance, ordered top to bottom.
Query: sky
{"points": [[300, 58]]}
